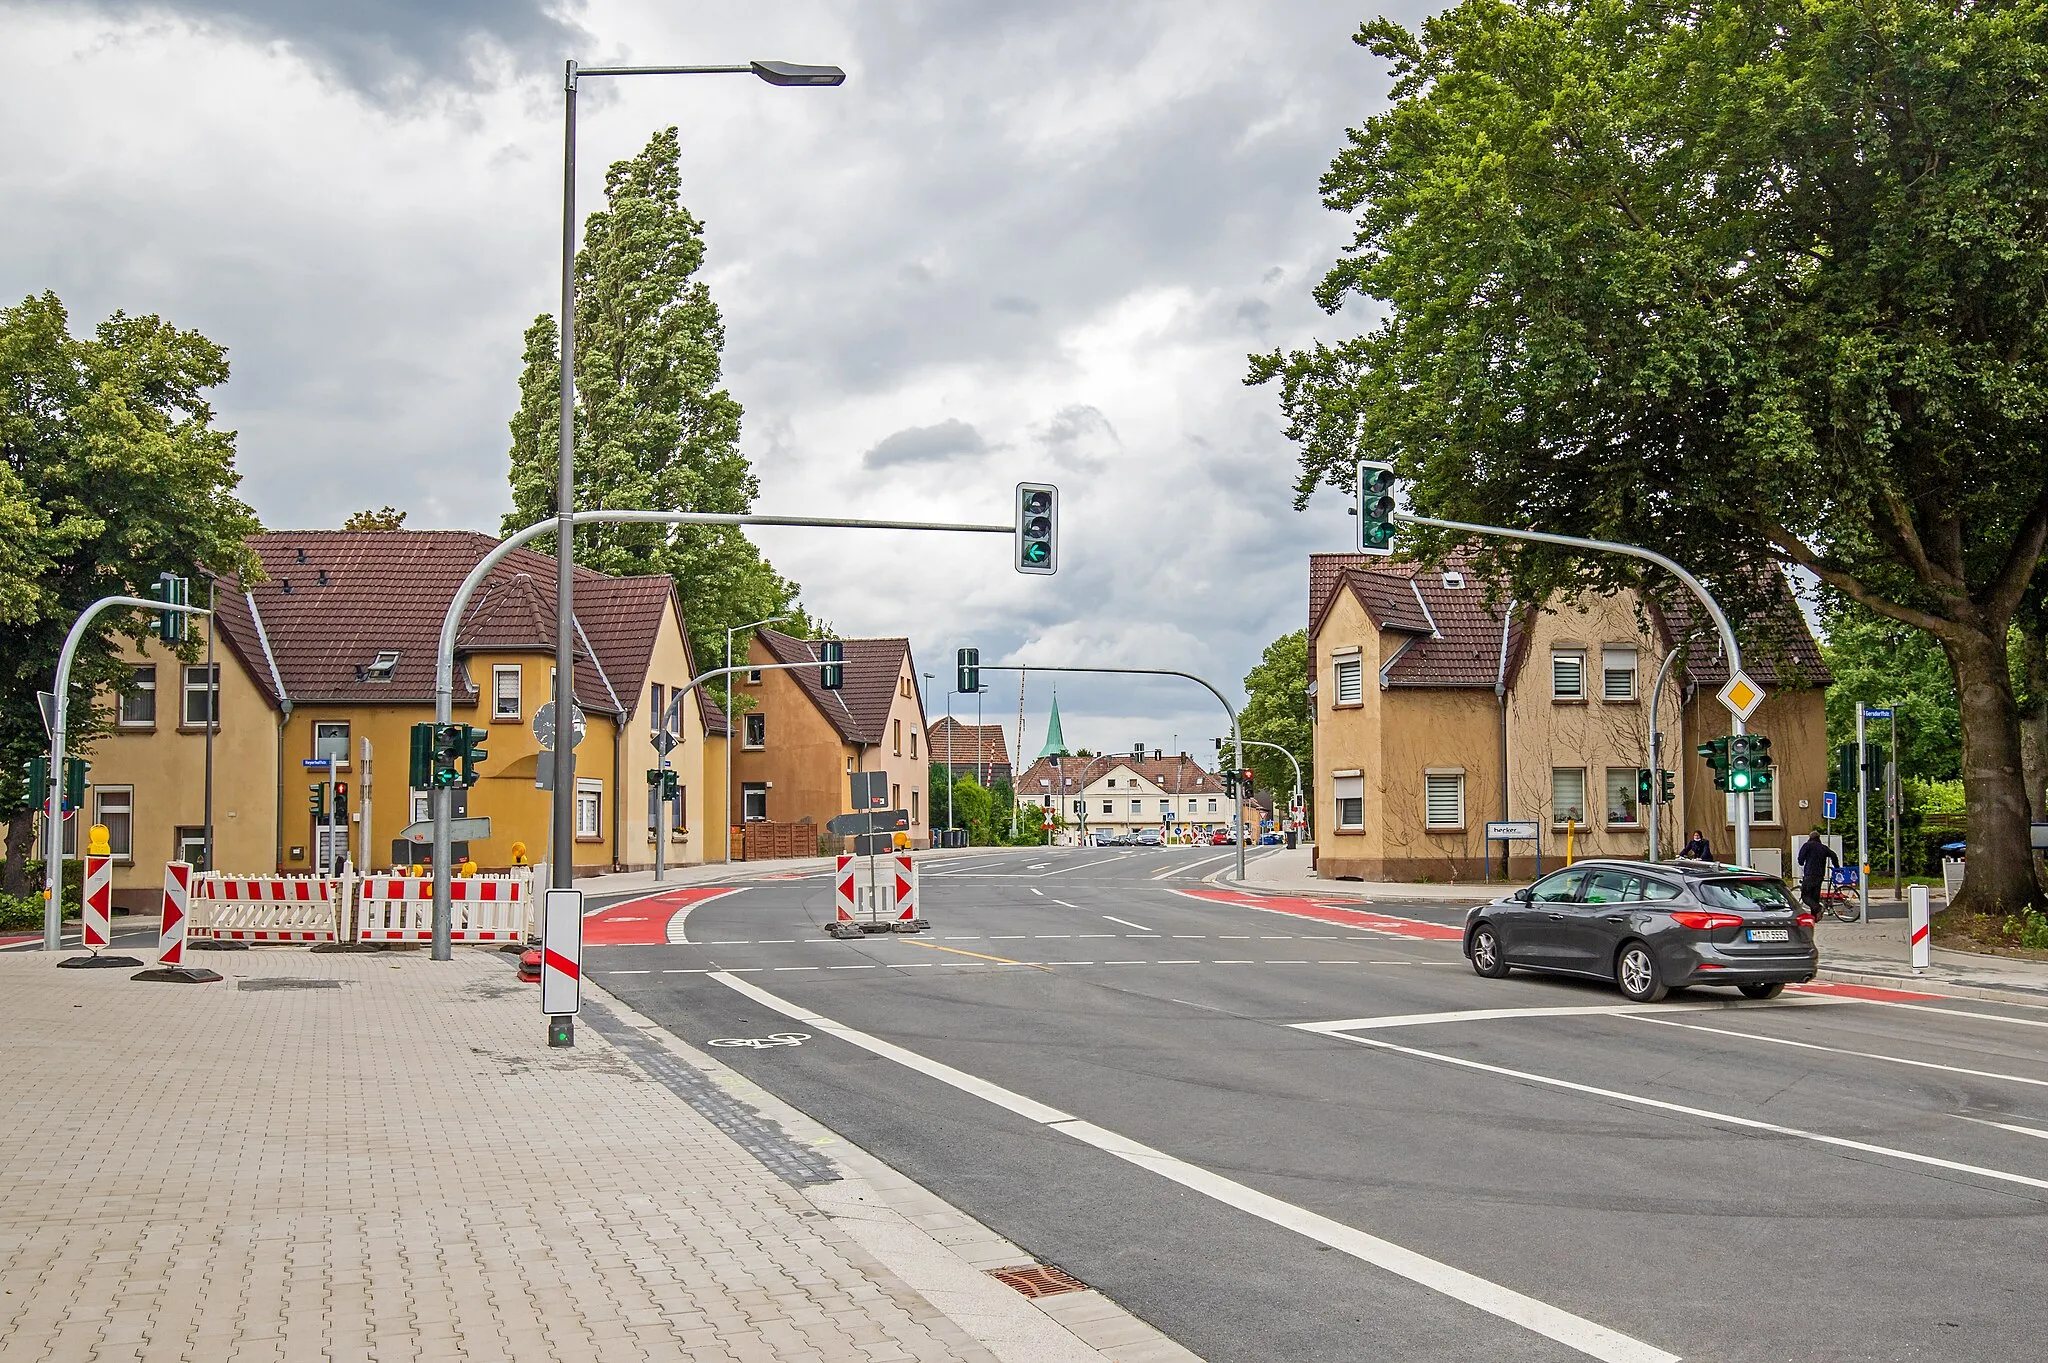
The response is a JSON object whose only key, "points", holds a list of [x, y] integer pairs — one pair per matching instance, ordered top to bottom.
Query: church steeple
{"points": [[1055, 741]]}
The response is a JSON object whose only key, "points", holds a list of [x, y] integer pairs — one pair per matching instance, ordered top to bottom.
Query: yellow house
{"points": [[332, 657], [1438, 710], [800, 742]]}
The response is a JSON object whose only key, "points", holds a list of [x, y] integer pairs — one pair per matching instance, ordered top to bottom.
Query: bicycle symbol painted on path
{"points": [[760, 1043]]}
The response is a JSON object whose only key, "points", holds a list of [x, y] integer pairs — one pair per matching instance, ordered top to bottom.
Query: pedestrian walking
{"points": [[1697, 848], [1814, 856]]}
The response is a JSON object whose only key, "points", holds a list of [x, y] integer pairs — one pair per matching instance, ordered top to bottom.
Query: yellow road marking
{"points": [[999, 960]]}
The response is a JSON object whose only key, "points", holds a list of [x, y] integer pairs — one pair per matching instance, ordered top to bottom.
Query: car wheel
{"points": [[1487, 957], [1637, 972], [1762, 991]]}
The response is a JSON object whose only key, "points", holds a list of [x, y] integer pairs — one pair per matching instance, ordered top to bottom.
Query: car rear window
{"points": [[1747, 893]]}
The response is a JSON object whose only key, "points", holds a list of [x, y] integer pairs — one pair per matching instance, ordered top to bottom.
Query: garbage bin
{"points": [[1291, 836]]}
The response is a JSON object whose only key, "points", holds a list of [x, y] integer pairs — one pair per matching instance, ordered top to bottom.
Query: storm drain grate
{"points": [[286, 982], [1038, 1280]]}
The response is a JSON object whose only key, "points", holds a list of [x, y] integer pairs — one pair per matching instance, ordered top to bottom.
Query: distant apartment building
{"points": [[976, 750], [1121, 793]]}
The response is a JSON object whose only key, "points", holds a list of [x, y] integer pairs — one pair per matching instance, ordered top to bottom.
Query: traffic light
{"points": [[1375, 508], [1038, 528], [171, 626], [969, 667], [833, 674], [470, 751], [1715, 753], [447, 754], [75, 769], [1761, 772], [36, 773], [420, 774], [654, 776], [1741, 776], [1246, 780], [1229, 783], [671, 784], [1645, 788], [1667, 791], [316, 800], [341, 801]]}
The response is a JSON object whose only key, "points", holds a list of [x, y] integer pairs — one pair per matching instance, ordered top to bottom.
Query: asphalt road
{"points": [[1109, 1061]]}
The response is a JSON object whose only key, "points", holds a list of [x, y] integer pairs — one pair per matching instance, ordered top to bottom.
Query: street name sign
{"points": [[1741, 696], [1877, 712], [316, 763], [1511, 830]]}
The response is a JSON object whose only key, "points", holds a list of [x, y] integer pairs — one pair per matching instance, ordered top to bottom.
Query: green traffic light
{"points": [[1035, 552]]}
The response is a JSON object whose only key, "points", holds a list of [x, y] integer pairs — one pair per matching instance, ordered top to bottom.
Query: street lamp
{"points": [[725, 859], [563, 874]]}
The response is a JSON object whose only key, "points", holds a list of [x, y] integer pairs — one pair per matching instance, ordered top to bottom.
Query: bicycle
{"points": [[1836, 901]]}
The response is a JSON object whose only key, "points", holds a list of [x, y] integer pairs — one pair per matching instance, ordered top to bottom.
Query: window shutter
{"points": [[1568, 676], [1350, 682], [1568, 794], [1444, 800]]}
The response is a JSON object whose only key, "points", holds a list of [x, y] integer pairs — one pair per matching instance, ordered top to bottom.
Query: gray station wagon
{"points": [[1650, 927]]}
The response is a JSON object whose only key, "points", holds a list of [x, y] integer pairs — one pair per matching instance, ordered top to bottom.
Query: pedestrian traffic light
{"points": [[1375, 508], [1038, 528], [172, 590], [969, 667], [833, 674], [470, 751], [1715, 752], [447, 754], [75, 769], [1761, 772], [420, 773], [1667, 787], [1645, 788], [316, 800], [341, 801]]}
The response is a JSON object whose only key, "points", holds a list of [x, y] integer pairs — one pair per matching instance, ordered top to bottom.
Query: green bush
{"points": [[21, 912], [2029, 928]]}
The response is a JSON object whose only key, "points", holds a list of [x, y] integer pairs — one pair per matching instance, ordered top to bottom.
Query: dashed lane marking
{"points": [[1126, 922]]}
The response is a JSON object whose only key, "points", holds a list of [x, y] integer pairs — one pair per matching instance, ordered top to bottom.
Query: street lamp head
{"points": [[790, 73]]}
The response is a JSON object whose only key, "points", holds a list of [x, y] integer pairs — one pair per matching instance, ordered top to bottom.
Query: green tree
{"points": [[1757, 284], [655, 431], [110, 472], [382, 518], [1880, 661], [1276, 711]]}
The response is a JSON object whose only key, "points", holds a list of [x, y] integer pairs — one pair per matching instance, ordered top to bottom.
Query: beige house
{"points": [[333, 657], [1436, 711], [799, 742], [1122, 793]]}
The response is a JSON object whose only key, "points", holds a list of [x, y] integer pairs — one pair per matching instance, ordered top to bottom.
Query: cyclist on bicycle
{"points": [[1814, 856]]}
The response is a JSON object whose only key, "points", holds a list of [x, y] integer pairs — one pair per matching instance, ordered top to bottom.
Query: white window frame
{"points": [[1576, 657], [1610, 670], [192, 678], [142, 686], [1350, 688], [498, 697], [896, 736], [748, 742], [340, 762], [1635, 776], [1433, 784], [749, 789], [1348, 791], [590, 798], [121, 800], [422, 806], [1137, 809], [1560, 813], [1760, 818], [325, 838]]}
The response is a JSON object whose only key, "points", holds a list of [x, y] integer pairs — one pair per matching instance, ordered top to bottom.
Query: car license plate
{"points": [[1770, 934]]}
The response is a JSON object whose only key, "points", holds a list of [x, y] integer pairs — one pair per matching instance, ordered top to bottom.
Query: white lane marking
{"points": [[1099, 861], [1038, 866], [1169, 871], [1035, 890], [1065, 905], [1126, 922], [1094, 934], [1053, 936], [970, 937], [1008, 937], [1191, 937], [1233, 937], [776, 942], [1126, 962], [1177, 962], [1232, 963], [1336, 963], [910, 965], [796, 967], [849, 967], [696, 970], [628, 972], [1586, 1010], [1959, 1012], [1839, 1050], [1706, 1114], [2003, 1126], [1574, 1332]]}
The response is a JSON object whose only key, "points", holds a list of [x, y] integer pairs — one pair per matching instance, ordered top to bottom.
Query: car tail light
{"points": [[1805, 920], [1705, 922]]}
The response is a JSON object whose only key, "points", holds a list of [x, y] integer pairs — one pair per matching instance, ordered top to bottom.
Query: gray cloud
{"points": [[950, 439]]}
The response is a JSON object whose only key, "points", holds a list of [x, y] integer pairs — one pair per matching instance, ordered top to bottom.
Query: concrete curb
{"points": [[1921, 985]]}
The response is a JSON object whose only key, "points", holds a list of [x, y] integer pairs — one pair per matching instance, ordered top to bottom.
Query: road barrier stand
{"points": [[885, 900], [231, 908], [486, 909], [96, 914], [1917, 918], [171, 967]]}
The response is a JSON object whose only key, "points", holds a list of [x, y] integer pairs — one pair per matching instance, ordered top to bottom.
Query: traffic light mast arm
{"points": [[1261, 743], [53, 820]]}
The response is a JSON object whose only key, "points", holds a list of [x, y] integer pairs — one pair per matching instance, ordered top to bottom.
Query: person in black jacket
{"points": [[1697, 849], [1814, 856]]}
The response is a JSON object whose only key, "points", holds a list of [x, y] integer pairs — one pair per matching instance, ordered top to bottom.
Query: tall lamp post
{"points": [[564, 807], [726, 859]]}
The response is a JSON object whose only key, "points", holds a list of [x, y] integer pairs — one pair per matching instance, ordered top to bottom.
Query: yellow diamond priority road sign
{"points": [[1742, 696]]}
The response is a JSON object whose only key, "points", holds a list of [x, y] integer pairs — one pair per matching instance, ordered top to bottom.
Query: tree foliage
{"points": [[1757, 284], [655, 431], [111, 472], [382, 518], [1878, 661], [1277, 712]]}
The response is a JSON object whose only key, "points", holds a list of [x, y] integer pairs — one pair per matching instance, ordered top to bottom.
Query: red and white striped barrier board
{"points": [[905, 875], [843, 892], [892, 898], [177, 904], [268, 908], [484, 908], [98, 915], [1917, 920], [561, 955]]}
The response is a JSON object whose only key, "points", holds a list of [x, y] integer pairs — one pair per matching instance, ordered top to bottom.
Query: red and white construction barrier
{"points": [[883, 902], [270, 908], [484, 908], [177, 913], [98, 915], [1917, 917]]}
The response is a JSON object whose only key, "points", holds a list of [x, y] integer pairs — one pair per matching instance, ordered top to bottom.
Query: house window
{"points": [[1617, 674], [1568, 675], [753, 676], [1350, 681], [903, 687], [505, 692], [202, 697], [138, 704], [656, 710], [757, 731], [896, 735], [330, 740], [913, 745], [1112, 783], [1350, 792], [1567, 795], [895, 797], [1443, 799], [754, 801], [114, 806], [422, 806], [1166, 806], [1212, 806], [1763, 806], [1622, 807], [1108, 808], [1137, 808], [589, 809], [1080, 809], [679, 812], [915, 817], [191, 847], [330, 848]]}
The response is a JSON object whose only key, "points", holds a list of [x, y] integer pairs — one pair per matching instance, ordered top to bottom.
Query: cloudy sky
{"points": [[1024, 240]]}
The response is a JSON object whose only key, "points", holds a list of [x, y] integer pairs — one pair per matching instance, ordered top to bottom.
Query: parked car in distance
{"points": [[1149, 837], [1220, 838], [1650, 928]]}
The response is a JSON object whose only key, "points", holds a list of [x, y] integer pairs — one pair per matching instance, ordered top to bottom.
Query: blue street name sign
{"points": [[1877, 712], [321, 762], [1827, 804]]}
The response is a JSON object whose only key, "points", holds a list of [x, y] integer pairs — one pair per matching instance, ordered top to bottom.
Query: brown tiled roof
{"points": [[334, 599], [1465, 649], [1778, 650], [859, 710], [972, 744], [1175, 775]]}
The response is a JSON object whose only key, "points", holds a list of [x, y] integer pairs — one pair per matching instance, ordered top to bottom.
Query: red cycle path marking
{"points": [[1324, 913], [644, 922], [1862, 991]]}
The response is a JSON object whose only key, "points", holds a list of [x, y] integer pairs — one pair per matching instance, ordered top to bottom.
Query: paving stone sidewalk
{"points": [[377, 1157]]}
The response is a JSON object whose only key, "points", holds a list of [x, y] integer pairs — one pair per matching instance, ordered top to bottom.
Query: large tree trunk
{"points": [[2034, 719], [21, 839], [1999, 867]]}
